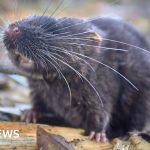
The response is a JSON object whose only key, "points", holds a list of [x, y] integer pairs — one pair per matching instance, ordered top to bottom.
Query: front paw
{"points": [[30, 116], [96, 126], [96, 131], [98, 136]]}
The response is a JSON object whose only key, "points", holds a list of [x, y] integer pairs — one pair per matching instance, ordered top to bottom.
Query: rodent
{"points": [[101, 101]]}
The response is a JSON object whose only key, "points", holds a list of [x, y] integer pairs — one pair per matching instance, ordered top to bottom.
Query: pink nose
{"points": [[13, 31]]}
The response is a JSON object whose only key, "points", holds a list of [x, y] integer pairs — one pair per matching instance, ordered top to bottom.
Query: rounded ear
{"points": [[94, 36], [93, 41]]}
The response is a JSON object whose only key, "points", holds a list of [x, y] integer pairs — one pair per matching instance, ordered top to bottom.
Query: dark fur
{"points": [[125, 109]]}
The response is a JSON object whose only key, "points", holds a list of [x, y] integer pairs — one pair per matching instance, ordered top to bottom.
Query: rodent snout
{"points": [[13, 31]]}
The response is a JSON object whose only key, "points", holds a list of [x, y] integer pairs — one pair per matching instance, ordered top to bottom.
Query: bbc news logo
{"points": [[9, 134]]}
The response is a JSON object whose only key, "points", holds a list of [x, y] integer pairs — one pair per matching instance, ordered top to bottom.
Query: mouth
{"points": [[24, 62]]}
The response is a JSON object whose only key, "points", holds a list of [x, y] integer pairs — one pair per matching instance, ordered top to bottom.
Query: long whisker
{"points": [[59, 5], [66, 6], [47, 8], [89, 20], [52, 26], [55, 35], [72, 35], [106, 39], [87, 45], [137, 47], [107, 48], [45, 52], [36, 55], [58, 55], [72, 55], [42, 58], [107, 66], [111, 69], [83, 78], [70, 94]]}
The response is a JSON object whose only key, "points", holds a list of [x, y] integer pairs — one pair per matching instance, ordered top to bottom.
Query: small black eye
{"points": [[16, 29], [13, 31]]}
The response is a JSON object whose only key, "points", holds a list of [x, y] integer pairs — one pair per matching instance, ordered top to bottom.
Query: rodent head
{"points": [[23, 40], [40, 43]]}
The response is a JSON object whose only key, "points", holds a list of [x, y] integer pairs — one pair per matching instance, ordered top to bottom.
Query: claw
{"points": [[29, 116], [92, 135], [99, 137]]}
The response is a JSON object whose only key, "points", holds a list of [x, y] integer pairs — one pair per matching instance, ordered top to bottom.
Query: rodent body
{"points": [[102, 102]]}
